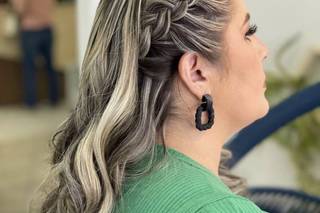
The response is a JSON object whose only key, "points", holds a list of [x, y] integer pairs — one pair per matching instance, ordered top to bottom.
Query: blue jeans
{"points": [[38, 43]]}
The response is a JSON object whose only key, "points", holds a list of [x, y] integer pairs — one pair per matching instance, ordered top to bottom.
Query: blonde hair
{"points": [[125, 96]]}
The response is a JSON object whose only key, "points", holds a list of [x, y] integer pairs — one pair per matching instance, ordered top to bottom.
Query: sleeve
{"points": [[230, 204]]}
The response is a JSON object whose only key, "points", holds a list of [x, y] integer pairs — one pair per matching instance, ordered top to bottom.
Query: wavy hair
{"points": [[125, 96]]}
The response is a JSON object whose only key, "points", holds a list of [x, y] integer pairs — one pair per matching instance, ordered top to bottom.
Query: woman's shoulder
{"points": [[179, 174], [181, 185], [177, 187], [169, 195], [184, 196], [234, 204]]}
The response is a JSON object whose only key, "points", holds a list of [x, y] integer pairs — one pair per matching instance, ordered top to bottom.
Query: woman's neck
{"points": [[202, 146]]}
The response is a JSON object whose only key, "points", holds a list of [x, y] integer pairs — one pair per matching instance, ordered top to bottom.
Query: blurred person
{"points": [[36, 38], [164, 84]]}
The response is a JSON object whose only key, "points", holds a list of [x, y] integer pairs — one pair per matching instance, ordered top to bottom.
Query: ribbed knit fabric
{"points": [[181, 186]]}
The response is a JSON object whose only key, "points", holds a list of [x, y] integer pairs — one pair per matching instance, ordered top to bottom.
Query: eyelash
{"points": [[252, 30]]}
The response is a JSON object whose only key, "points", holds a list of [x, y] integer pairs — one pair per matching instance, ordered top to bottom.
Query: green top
{"points": [[181, 186]]}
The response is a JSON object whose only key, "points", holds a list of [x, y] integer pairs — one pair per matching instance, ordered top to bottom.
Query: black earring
{"points": [[206, 105]]}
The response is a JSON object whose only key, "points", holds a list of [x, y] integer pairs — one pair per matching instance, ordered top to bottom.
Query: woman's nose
{"points": [[263, 49]]}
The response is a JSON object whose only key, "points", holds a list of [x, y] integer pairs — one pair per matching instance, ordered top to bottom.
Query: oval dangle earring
{"points": [[205, 106]]}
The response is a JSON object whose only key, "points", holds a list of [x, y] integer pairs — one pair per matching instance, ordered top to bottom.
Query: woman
{"points": [[164, 84]]}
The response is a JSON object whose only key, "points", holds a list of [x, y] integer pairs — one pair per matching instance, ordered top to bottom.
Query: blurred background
{"points": [[29, 115]]}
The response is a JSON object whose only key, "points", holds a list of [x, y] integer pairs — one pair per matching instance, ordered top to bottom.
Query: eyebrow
{"points": [[247, 18]]}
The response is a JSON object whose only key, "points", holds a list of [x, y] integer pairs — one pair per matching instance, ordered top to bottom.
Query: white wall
{"points": [[85, 14], [279, 20], [268, 164]]}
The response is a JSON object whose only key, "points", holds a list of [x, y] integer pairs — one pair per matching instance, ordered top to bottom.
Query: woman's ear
{"points": [[194, 74]]}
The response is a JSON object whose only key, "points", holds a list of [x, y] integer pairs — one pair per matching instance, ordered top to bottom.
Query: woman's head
{"points": [[137, 52], [236, 81]]}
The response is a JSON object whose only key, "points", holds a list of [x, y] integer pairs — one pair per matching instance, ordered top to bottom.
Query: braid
{"points": [[166, 13], [157, 21], [162, 24]]}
